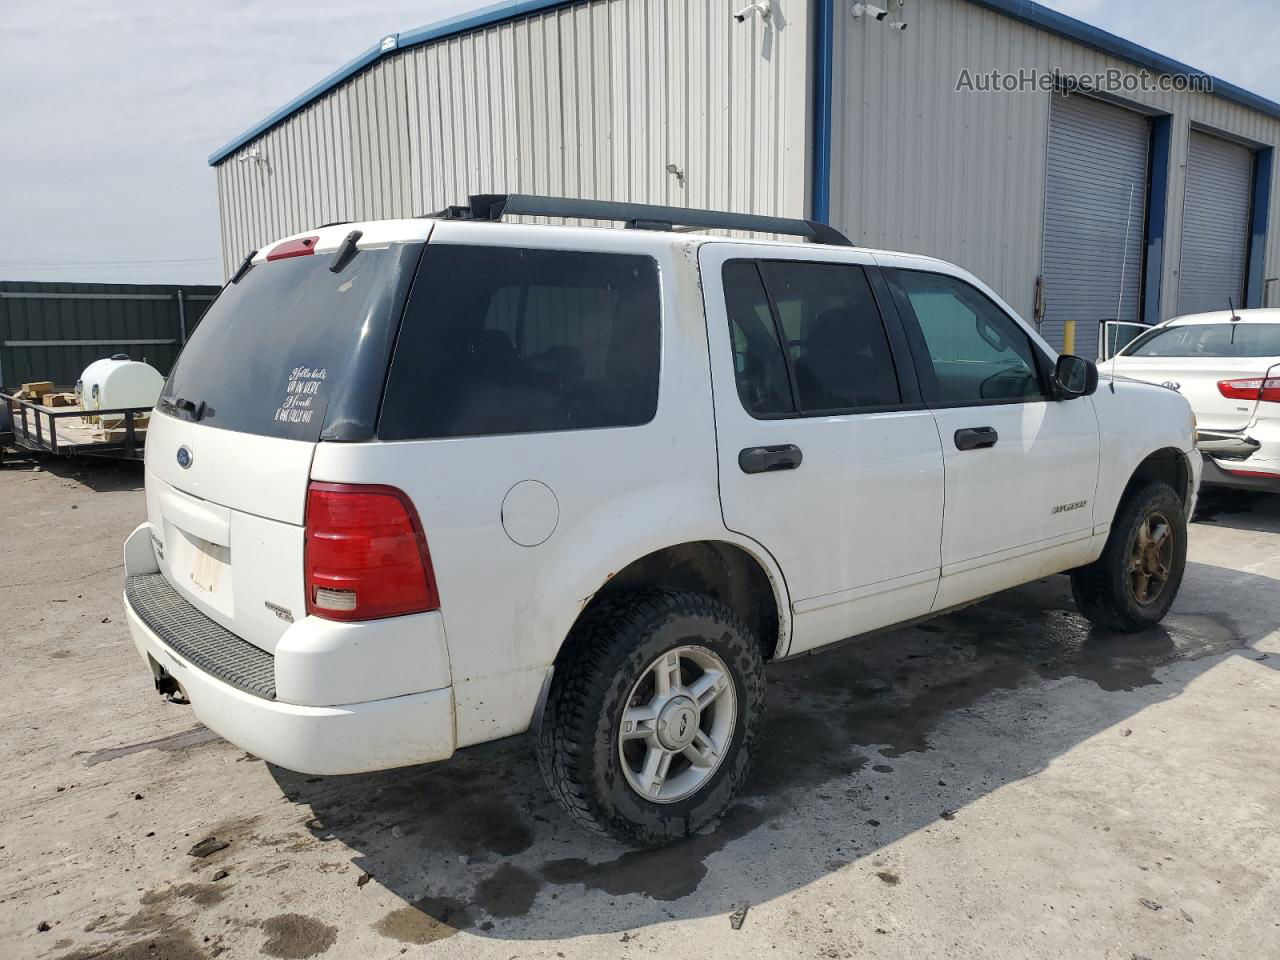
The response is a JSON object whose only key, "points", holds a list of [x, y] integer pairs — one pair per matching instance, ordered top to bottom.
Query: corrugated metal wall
{"points": [[591, 100], [919, 166], [52, 331]]}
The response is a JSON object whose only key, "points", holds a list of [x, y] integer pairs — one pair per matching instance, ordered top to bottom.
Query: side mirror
{"points": [[1075, 377]]}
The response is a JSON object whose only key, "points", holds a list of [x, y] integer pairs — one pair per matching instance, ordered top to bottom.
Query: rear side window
{"points": [[807, 338], [1244, 339], [502, 340], [294, 350], [759, 364]]}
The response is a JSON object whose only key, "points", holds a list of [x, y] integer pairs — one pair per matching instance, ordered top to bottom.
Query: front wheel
{"points": [[1133, 584], [652, 715]]}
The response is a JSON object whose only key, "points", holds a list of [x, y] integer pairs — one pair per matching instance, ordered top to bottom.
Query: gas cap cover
{"points": [[530, 513]]}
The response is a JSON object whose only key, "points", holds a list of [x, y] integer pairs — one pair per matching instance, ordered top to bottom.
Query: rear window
{"points": [[1242, 339], [502, 340], [294, 350]]}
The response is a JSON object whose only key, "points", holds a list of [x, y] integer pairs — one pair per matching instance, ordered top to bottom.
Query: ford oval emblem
{"points": [[1172, 385], [184, 457]]}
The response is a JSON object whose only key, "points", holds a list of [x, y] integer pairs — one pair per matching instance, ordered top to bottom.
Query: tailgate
{"points": [[292, 351], [230, 525]]}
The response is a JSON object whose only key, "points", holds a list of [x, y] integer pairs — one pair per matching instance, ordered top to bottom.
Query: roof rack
{"points": [[636, 216]]}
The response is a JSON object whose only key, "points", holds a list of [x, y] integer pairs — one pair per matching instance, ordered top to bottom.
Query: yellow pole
{"points": [[1069, 337]]}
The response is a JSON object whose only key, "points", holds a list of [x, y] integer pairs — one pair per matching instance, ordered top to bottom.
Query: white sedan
{"points": [[1227, 365]]}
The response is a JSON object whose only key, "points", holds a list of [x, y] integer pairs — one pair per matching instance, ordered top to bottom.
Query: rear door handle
{"points": [[975, 438], [767, 459]]}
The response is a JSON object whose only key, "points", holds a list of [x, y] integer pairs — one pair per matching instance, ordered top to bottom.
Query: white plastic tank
{"points": [[118, 382]]}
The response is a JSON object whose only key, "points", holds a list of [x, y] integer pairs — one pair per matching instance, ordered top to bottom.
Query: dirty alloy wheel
{"points": [[1151, 558], [1133, 584], [652, 715]]}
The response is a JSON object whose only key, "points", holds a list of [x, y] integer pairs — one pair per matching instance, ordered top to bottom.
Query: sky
{"points": [[109, 109]]}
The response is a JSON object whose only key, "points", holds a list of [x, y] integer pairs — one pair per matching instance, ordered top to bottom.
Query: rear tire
{"points": [[1133, 584], [644, 759]]}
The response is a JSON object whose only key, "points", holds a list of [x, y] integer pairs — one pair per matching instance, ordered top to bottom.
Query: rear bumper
{"points": [[1247, 459], [1264, 477], [252, 698], [352, 738]]}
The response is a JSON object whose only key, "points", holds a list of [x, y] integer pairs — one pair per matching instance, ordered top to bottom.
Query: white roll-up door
{"points": [[1094, 217], [1215, 224]]}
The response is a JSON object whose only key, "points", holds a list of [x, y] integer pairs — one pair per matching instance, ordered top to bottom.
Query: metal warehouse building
{"points": [[1138, 201]]}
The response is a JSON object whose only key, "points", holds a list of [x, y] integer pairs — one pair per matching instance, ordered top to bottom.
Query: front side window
{"points": [[807, 338], [1241, 339], [502, 340], [979, 353]]}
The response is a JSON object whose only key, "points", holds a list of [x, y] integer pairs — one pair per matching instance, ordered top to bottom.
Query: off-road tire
{"points": [[1103, 591], [609, 649]]}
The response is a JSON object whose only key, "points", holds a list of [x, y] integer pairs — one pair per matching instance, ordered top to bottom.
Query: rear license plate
{"points": [[208, 563]]}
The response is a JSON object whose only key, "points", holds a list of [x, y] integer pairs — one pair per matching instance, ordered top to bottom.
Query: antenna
{"points": [[1124, 259], [1124, 262]]}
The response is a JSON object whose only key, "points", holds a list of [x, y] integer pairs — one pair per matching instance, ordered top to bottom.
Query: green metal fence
{"points": [[52, 331]]}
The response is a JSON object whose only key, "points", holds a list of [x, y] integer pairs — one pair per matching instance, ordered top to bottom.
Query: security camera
{"points": [[760, 7], [869, 10], [880, 14]]}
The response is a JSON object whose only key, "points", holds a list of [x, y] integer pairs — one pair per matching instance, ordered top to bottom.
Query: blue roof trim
{"points": [[1022, 10], [486, 16], [1040, 16]]}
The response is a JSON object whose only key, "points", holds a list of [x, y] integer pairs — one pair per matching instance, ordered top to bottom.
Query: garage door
{"points": [[1094, 215], [1215, 224]]}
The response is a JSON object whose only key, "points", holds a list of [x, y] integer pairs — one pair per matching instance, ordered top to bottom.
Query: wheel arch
{"points": [[1167, 464], [728, 572]]}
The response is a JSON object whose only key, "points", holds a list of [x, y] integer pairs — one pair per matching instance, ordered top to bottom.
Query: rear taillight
{"points": [[1252, 388], [366, 555]]}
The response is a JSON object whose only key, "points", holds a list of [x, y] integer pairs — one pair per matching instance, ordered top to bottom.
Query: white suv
{"points": [[419, 484]]}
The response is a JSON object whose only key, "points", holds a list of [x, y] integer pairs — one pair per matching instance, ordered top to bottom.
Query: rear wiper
{"points": [[245, 264], [197, 410]]}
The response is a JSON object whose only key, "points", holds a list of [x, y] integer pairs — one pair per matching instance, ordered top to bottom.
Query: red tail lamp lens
{"points": [[366, 556]]}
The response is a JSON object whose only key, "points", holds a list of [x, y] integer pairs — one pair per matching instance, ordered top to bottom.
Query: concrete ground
{"points": [[1002, 782]]}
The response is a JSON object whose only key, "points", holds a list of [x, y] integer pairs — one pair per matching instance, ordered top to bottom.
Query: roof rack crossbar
{"points": [[637, 216]]}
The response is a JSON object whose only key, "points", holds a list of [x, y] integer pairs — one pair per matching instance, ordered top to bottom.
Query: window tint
{"points": [[833, 337], [1243, 339], [504, 340], [296, 351], [979, 352], [758, 361]]}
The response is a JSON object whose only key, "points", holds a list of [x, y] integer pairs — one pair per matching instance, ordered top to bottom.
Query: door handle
{"points": [[975, 438], [767, 459]]}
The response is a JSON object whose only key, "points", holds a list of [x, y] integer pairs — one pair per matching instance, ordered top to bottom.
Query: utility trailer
{"points": [[118, 433]]}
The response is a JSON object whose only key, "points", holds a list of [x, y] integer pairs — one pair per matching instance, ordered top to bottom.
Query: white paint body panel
{"points": [[621, 493], [856, 526]]}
